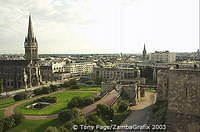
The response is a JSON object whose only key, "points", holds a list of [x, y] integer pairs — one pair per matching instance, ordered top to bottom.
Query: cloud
{"points": [[89, 26]]}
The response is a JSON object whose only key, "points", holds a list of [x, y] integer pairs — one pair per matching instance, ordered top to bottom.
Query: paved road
{"points": [[108, 99], [140, 114]]}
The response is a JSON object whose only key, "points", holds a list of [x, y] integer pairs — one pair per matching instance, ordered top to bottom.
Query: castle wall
{"points": [[162, 85], [184, 91]]}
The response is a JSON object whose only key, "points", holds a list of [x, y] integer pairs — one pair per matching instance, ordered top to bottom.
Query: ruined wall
{"points": [[162, 85], [106, 87], [131, 93]]}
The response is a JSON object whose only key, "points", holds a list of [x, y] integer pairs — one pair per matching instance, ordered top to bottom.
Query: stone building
{"points": [[162, 57], [81, 67], [54, 71], [117, 73], [17, 74], [128, 89], [181, 89]]}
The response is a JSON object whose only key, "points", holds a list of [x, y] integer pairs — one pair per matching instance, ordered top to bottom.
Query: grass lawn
{"points": [[86, 88], [152, 91], [62, 99], [6, 103], [1, 113], [35, 125]]}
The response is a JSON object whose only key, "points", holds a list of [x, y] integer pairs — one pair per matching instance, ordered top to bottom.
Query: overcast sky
{"points": [[100, 26]]}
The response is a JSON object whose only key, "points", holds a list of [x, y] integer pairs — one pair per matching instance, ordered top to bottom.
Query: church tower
{"points": [[30, 44], [144, 53]]}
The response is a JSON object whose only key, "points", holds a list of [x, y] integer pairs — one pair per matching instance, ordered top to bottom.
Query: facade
{"points": [[162, 57], [82, 67], [54, 71], [108, 73], [17, 74], [181, 89]]}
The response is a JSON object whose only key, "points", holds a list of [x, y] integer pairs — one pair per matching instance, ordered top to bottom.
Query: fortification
{"points": [[181, 89]]}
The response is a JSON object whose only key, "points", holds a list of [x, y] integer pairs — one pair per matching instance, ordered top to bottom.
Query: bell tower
{"points": [[30, 44]]}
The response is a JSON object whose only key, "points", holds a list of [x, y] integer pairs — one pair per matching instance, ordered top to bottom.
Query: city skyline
{"points": [[101, 26]]}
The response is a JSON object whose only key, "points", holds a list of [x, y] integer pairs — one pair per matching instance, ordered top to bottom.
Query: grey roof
{"points": [[14, 62]]}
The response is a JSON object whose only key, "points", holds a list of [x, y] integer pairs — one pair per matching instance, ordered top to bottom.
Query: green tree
{"points": [[98, 81], [123, 106], [105, 111], [69, 114], [18, 117], [51, 129]]}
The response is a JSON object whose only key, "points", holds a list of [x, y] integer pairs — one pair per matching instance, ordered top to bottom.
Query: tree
{"points": [[98, 81], [72, 82], [1, 86], [53, 87], [74, 87], [19, 96], [88, 101], [75, 102], [122, 106], [105, 111], [69, 114], [18, 117], [7, 123], [51, 129]]}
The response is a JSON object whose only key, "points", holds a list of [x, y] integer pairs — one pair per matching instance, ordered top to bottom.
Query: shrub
{"points": [[72, 82], [89, 82], [66, 84], [53, 87], [74, 87], [44, 90], [37, 91], [19, 96], [97, 98], [46, 99], [122, 106], [18, 117], [120, 117], [95, 120], [79, 121], [7, 123], [51, 129]]}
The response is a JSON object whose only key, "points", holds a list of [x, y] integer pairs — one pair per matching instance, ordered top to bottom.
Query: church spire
{"points": [[30, 35], [30, 44], [144, 52]]}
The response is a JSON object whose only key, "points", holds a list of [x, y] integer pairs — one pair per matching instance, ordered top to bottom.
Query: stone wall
{"points": [[162, 85], [181, 89], [184, 91], [131, 93]]}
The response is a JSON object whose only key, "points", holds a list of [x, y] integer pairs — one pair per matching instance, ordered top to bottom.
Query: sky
{"points": [[100, 26]]}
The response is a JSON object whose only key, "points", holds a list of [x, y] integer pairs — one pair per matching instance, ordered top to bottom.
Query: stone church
{"points": [[16, 74]]}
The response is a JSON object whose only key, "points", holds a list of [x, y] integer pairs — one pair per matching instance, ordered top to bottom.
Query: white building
{"points": [[162, 57], [83, 67]]}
